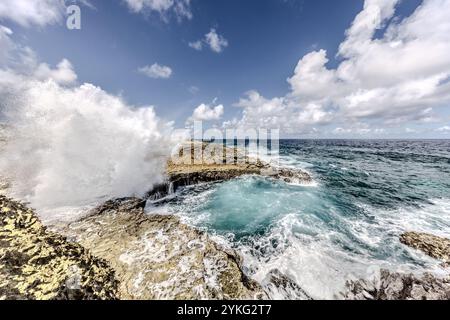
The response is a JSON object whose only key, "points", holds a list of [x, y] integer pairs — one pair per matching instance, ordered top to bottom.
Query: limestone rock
{"points": [[195, 166], [436, 247], [158, 257], [38, 264], [276, 282], [398, 286]]}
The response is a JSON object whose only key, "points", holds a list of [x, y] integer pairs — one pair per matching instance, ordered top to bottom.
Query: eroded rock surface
{"points": [[202, 162], [436, 247], [157, 257], [38, 264], [280, 286], [398, 286]]}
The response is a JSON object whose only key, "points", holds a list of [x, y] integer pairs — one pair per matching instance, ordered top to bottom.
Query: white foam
{"points": [[74, 147], [321, 267]]}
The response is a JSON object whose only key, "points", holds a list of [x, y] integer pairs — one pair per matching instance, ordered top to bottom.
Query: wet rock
{"points": [[198, 166], [288, 175], [436, 247], [158, 257], [38, 264], [280, 286], [398, 286]]}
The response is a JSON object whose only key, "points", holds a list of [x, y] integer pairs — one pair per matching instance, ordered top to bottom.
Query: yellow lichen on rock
{"points": [[38, 264]]}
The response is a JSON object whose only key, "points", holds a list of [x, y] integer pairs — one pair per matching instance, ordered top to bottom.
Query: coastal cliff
{"points": [[116, 251], [36, 263]]}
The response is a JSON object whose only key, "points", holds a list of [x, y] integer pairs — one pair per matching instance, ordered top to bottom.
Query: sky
{"points": [[312, 68]]}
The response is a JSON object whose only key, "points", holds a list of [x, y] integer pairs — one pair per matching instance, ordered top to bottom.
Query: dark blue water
{"points": [[366, 193]]}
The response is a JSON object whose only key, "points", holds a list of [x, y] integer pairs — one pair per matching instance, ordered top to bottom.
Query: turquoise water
{"points": [[366, 193]]}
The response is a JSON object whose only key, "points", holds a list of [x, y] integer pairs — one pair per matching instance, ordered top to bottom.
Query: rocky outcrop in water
{"points": [[197, 166], [436, 247], [158, 257], [38, 264], [281, 286], [398, 286]]}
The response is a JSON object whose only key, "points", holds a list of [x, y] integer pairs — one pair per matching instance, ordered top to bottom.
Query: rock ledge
{"points": [[38, 264]]}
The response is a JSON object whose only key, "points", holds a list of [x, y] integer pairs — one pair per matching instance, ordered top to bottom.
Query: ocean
{"points": [[344, 226]]}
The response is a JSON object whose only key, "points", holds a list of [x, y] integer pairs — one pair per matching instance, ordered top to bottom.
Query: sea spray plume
{"points": [[75, 147]]}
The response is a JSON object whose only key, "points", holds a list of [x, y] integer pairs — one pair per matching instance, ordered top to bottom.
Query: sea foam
{"points": [[71, 148]]}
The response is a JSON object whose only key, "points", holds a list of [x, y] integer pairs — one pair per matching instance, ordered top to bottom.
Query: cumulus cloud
{"points": [[181, 8], [37, 12], [213, 40], [197, 45], [18, 60], [156, 71], [63, 73], [397, 77], [206, 112], [282, 112], [444, 129], [73, 146]]}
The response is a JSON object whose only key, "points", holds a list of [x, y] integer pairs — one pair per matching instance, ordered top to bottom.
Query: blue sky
{"points": [[265, 41]]}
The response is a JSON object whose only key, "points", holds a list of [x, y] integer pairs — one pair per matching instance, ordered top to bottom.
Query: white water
{"points": [[71, 148], [309, 241], [321, 266]]}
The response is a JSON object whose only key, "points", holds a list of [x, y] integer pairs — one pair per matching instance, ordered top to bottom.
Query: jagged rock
{"points": [[196, 167], [288, 175], [436, 247], [158, 257], [38, 264], [276, 282], [398, 286]]}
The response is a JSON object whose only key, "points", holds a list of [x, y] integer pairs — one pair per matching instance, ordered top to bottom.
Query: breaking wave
{"points": [[69, 148]]}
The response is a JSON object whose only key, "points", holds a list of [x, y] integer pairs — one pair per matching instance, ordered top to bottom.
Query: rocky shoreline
{"points": [[194, 169], [435, 247], [119, 252], [157, 257], [38, 264], [397, 286]]}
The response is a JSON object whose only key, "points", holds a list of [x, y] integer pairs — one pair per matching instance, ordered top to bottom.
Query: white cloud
{"points": [[181, 8], [36, 12], [215, 41], [6, 45], [197, 45], [16, 60], [156, 71], [63, 74], [396, 78], [206, 113], [284, 113], [359, 129], [444, 129], [409, 130]]}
